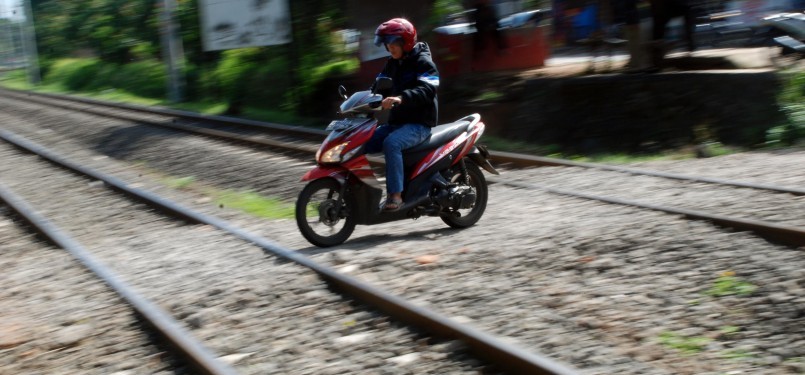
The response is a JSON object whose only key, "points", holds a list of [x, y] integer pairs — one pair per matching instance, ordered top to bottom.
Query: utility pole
{"points": [[29, 45], [7, 52], [172, 52], [3, 53]]}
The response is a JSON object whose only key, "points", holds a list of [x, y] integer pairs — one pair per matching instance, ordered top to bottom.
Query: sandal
{"points": [[392, 205]]}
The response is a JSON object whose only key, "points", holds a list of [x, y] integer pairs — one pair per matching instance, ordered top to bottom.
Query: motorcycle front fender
{"points": [[322, 171]]}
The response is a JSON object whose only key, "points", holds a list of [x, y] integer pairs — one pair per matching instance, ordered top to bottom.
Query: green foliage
{"points": [[442, 9], [109, 29], [118, 42], [72, 74], [251, 76], [142, 78], [146, 78], [312, 78], [16, 79], [489, 96], [792, 102], [180, 183], [249, 202], [257, 205], [727, 284], [728, 330], [687, 345], [736, 354]]}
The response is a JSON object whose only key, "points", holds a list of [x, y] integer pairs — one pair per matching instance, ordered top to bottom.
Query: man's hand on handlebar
{"points": [[391, 101]]}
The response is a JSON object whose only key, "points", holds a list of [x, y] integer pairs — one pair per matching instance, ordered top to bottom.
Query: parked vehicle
{"points": [[786, 30], [443, 175]]}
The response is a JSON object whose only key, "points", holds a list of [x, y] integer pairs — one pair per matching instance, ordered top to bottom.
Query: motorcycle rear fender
{"points": [[480, 156]]}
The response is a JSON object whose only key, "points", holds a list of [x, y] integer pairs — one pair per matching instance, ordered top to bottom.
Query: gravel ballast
{"points": [[264, 315], [57, 318]]}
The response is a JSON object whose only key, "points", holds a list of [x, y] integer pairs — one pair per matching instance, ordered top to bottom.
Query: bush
{"points": [[73, 74], [251, 76], [143, 78], [146, 78], [306, 99], [791, 100]]}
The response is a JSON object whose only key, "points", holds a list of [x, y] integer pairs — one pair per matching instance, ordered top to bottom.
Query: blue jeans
{"points": [[392, 140]]}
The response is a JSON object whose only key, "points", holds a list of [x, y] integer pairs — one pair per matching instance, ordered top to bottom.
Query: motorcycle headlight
{"points": [[333, 155]]}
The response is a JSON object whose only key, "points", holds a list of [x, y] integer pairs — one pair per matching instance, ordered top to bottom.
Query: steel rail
{"points": [[299, 131], [228, 135], [497, 157], [530, 161], [782, 234], [503, 355], [201, 358]]}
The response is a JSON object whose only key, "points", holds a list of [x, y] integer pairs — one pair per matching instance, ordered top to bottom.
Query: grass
{"points": [[489, 96], [180, 183], [249, 202], [255, 204], [727, 284], [728, 330], [687, 345], [737, 354]]}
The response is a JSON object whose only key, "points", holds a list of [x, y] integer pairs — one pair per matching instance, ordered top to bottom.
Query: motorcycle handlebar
{"points": [[377, 104]]}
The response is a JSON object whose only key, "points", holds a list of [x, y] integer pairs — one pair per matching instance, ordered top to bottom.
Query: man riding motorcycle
{"points": [[412, 100]]}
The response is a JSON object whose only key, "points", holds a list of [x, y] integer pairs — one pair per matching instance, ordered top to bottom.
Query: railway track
{"points": [[302, 142], [594, 276], [49, 321], [182, 343], [501, 355]]}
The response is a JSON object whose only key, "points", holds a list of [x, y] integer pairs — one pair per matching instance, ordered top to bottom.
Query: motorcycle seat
{"points": [[440, 135]]}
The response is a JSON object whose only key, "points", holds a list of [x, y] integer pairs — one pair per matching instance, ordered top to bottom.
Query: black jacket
{"points": [[415, 81]]}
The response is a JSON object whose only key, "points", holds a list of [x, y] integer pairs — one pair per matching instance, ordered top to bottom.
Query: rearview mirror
{"points": [[342, 91]]}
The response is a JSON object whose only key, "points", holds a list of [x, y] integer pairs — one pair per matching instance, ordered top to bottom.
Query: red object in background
{"points": [[527, 48], [370, 69]]}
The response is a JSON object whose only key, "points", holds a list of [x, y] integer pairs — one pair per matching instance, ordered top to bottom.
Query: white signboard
{"points": [[228, 24]]}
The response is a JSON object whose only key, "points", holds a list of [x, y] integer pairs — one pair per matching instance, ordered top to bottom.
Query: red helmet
{"points": [[394, 30]]}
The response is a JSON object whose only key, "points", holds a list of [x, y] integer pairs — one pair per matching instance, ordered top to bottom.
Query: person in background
{"points": [[486, 26], [412, 101]]}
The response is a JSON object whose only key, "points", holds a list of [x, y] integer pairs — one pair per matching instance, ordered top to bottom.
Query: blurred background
{"points": [[281, 61]]}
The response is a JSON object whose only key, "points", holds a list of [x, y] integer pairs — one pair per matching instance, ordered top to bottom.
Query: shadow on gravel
{"points": [[122, 142], [369, 242]]}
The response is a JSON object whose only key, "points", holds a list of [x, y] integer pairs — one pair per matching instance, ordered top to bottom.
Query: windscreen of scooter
{"points": [[358, 99], [345, 124]]}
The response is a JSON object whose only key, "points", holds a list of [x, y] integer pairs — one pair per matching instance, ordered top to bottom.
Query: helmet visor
{"points": [[387, 39]]}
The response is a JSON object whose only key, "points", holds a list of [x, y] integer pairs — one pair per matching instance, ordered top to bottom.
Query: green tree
{"points": [[113, 30], [121, 32]]}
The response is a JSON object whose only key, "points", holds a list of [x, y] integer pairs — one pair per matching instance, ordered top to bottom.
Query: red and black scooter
{"points": [[442, 173]]}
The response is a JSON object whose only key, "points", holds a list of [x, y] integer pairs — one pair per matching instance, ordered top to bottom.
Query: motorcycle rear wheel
{"points": [[317, 216], [462, 218]]}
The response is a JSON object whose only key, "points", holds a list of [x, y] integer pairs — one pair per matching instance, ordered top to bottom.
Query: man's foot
{"points": [[392, 204]]}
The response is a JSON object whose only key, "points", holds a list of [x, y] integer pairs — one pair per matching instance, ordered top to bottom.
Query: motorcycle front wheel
{"points": [[323, 215]]}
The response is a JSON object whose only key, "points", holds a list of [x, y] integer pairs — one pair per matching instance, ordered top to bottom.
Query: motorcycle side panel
{"points": [[475, 133], [464, 142], [438, 154]]}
